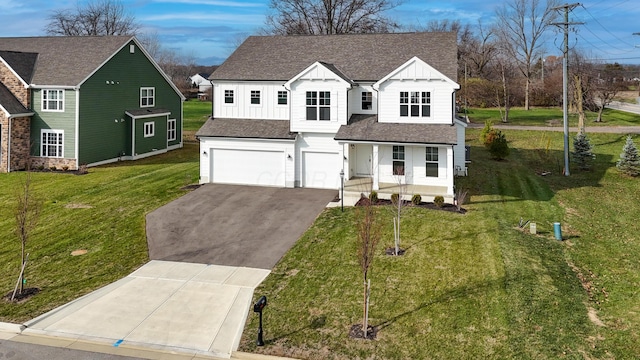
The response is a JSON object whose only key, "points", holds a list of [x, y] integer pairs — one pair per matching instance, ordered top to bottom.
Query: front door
{"points": [[364, 154]]}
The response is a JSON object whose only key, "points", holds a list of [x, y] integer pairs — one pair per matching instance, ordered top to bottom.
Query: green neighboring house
{"points": [[69, 101]]}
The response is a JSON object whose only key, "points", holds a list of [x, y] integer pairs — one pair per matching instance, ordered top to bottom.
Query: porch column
{"points": [[375, 168], [450, 170]]}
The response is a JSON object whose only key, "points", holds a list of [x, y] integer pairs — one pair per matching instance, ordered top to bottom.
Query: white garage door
{"points": [[248, 167], [321, 170]]}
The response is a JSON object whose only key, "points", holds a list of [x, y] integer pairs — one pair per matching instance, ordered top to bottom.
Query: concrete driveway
{"points": [[233, 225]]}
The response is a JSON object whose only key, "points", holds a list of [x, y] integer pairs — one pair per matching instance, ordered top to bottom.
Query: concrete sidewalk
{"points": [[172, 307]]}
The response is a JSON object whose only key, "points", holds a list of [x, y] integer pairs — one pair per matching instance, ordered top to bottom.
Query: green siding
{"points": [[54, 120], [105, 130], [153, 143]]}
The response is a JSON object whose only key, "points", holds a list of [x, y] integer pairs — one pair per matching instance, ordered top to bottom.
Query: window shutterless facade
{"points": [[228, 96], [147, 97], [255, 97], [282, 97], [53, 100], [367, 100], [318, 105], [420, 105], [149, 129], [171, 130], [52, 143], [398, 160], [431, 161]]}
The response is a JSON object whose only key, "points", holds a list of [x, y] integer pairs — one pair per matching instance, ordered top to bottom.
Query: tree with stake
{"points": [[629, 162], [27, 212]]}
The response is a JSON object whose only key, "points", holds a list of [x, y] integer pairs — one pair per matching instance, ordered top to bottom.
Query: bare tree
{"points": [[328, 17], [94, 18], [521, 26], [479, 50], [609, 83], [27, 212]]}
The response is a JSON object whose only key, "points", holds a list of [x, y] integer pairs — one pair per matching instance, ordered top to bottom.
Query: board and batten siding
{"points": [[355, 100], [338, 106], [241, 108], [55, 120], [105, 129], [317, 143]]}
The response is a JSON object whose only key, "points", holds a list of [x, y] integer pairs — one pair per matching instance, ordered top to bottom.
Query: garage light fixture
{"points": [[204, 153]]}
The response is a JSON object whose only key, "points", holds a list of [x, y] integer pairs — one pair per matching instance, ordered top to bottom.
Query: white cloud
{"points": [[214, 3]]}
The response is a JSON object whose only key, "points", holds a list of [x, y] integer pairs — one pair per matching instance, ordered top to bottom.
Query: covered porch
{"points": [[363, 185]]}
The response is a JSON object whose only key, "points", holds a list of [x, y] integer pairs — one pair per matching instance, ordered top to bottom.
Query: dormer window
{"points": [[367, 100], [319, 105], [420, 105]]}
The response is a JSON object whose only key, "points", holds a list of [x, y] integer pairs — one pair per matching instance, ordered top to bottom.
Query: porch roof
{"points": [[149, 112], [246, 128], [366, 128]]}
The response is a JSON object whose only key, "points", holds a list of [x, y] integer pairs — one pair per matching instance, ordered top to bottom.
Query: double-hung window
{"points": [[147, 96], [228, 96], [255, 97], [282, 98], [52, 100], [367, 100], [319, 105], [419, 106], [171, 130], [52, 142], [398, 160], [432, 161]]}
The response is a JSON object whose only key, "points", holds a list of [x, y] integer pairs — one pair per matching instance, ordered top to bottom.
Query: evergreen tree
{"points": [[498, 148], [582, 151], [629, 162]]}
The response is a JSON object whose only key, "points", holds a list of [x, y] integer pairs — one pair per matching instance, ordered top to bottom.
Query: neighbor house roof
{"points": [[360, 57], [63, 60], [23, 63], [10, 103], [246, 128], [366, 128]]}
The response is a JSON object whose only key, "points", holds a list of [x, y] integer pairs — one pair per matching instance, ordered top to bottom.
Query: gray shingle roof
{"points": [[358, 56], [65, 60], [23, 63], [10, 103], [147, 112], [246, 128], [367, 128]]}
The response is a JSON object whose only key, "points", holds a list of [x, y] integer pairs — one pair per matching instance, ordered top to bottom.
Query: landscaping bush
{"points": [[486, 131], [499, 148], [582, 152], [629, 162], [52, 168], [373, 196], [394, 198], [416, 199], [439, 201]]}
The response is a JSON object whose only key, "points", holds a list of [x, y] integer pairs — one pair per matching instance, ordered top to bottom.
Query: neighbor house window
{"points": [[228, 96], [147, 97], [255, 97], [282, 98], [53, 100], [367, 100], [420, 103], [318, 105], [149, 129], [171, 130], [52, 143], [398, 160], [432, 161]]}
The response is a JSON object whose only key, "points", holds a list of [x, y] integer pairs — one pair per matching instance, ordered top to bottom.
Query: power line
{"points": [[604, 28]]}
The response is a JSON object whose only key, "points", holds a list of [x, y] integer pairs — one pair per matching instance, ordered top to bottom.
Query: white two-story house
{"points": [[296, 111]]}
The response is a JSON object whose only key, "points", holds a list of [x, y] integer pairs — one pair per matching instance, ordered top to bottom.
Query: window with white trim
{"points": [[147, 96], [228, 96], [255, 97], [282, 97], [52, 100], [367, 100], [319, 105], [420, 105], [149, 129], [171, 130], [52, 143], [398, 160], [431, 161]]}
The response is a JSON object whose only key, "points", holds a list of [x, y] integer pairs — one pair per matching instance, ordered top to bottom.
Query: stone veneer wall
{"points": [[14, 85], [20, 127], [4, 141], [20, 141], [48, 163]]}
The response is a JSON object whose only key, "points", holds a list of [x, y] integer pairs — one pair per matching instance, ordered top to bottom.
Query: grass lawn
{"points": [[196, 112], [552, 116], [101, 212], [474, 286]]}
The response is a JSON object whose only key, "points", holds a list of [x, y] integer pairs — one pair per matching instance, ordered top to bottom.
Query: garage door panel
{"points": [[249, 167], [321, 170]]}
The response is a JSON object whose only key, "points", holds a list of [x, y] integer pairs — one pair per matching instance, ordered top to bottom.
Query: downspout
{"points": [[9, 147]]}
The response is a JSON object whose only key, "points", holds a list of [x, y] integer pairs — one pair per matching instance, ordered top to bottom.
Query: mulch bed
{"points": [[190, 187], [427, 205], [391, 251], [21, 297], [356, 332]]}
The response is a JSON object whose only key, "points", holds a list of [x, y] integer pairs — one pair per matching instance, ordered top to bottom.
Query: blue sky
{"points": [[209, 30]]}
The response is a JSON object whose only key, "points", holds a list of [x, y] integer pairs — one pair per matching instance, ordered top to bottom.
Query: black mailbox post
{"points": [[258, 307]]}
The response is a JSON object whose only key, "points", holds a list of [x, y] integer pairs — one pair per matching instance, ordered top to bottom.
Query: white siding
{"points": [[355, 100], [242, 107], [317, 143], [459, 148], [415, 166]]}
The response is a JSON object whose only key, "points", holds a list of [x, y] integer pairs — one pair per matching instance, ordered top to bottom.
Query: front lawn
{"points": [[551, 117], [101, 212], [475, 286]]}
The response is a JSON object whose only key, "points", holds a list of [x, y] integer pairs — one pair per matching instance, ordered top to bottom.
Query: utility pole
{"points": [[565, 81]]}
